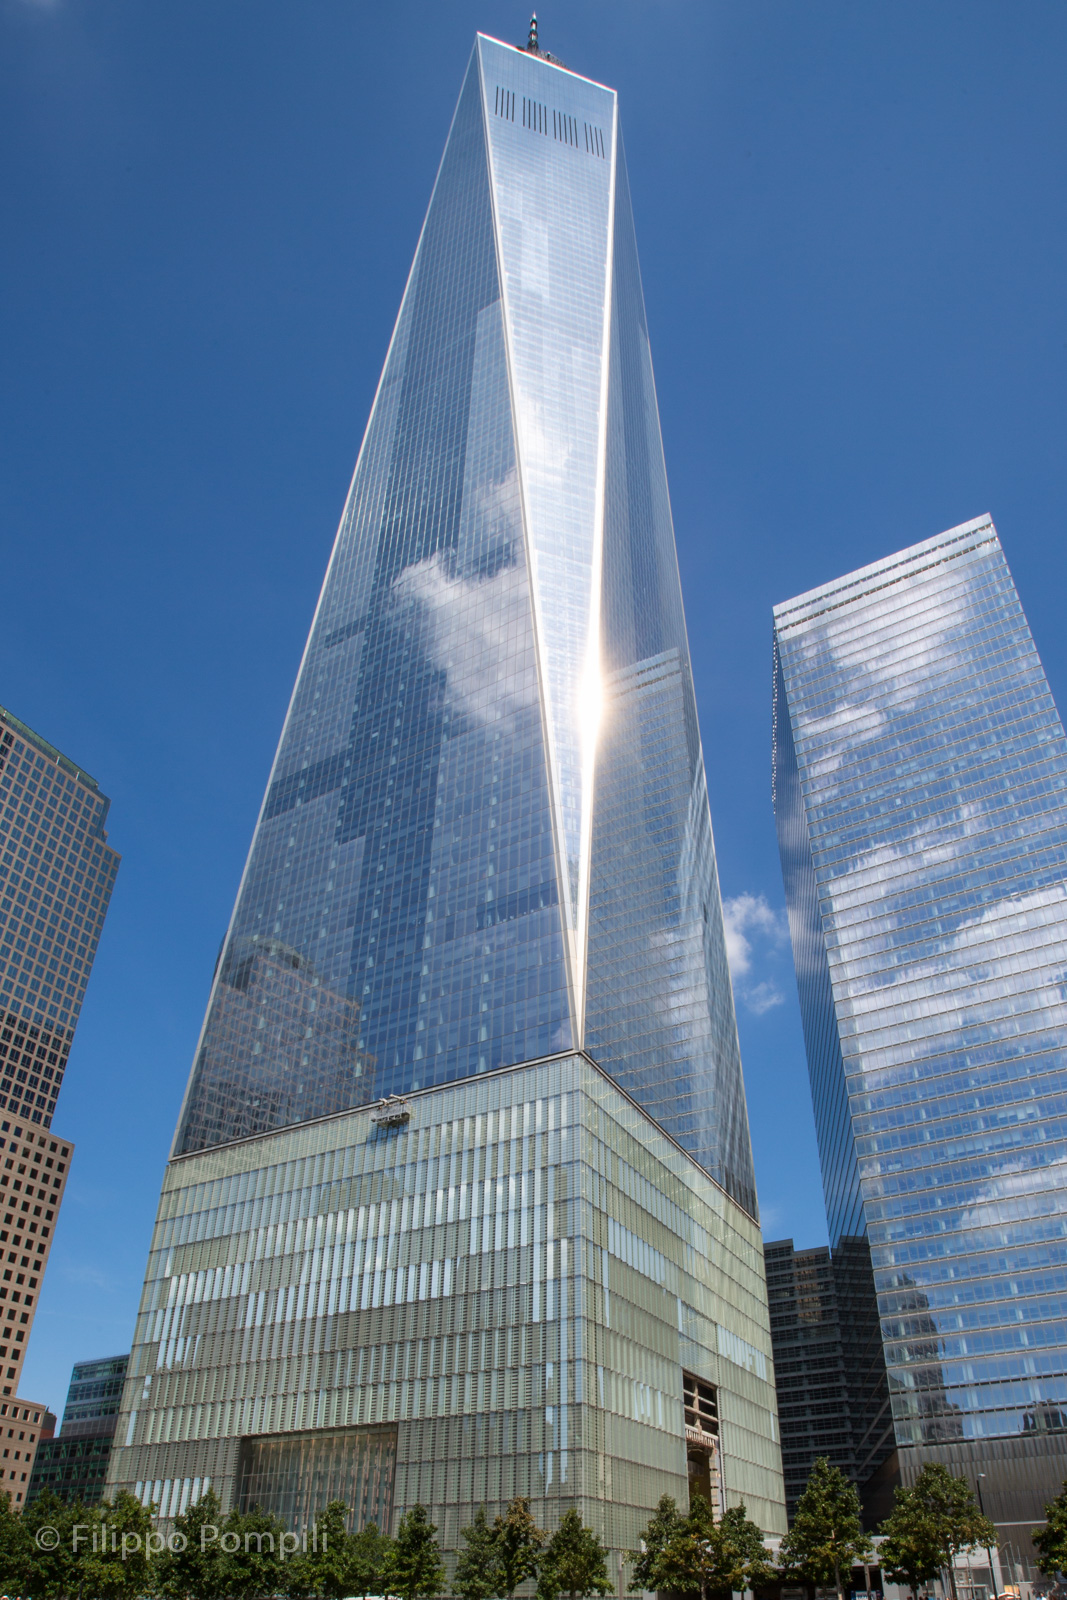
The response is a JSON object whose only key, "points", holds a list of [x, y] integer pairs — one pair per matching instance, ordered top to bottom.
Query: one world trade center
{"points": [[461, 1203]]}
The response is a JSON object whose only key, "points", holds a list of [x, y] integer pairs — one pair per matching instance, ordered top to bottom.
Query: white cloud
{"points": [[479, 635], [744, 915], [750, 921], [764, 997], [1015, 1194]]}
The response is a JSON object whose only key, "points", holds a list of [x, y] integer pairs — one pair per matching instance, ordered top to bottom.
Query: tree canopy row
{"points": [[54, 1551], [113, 1551]]}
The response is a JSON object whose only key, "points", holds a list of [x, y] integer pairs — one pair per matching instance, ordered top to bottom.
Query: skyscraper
{"points": [[920, 773], [57, 871], [482, 881], [833, 1397], [24, 1426], [74, 1465]]}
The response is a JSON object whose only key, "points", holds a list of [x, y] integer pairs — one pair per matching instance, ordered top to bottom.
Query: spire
{"points": [[532, 47]]}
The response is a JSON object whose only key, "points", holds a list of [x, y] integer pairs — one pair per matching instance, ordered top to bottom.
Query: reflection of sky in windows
{"points": [[924, 842], [430, 891]]}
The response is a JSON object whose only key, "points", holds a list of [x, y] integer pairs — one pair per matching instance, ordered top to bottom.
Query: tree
{"points": [[943, 1518], [662, 1526], [827, 1537], [1051, 1540], [519, 1542], [17, 1550], [909, 1554], [368, 1555], [714, 1557], [743, 1559], [574, 1562], [118, 1563], [252, 1564], [54, 1567], [414, 1568], [324, 1569], [197, 1571], [479, 1573]]}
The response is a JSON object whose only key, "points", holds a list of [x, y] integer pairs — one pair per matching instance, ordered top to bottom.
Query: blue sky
{"points": [[853, 231]]}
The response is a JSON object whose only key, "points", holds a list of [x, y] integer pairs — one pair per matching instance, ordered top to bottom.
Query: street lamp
{"points": [[988, 1551]]}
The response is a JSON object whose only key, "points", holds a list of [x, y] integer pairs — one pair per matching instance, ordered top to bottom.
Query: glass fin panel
{"points": [[550, 145], [659, 1013]]}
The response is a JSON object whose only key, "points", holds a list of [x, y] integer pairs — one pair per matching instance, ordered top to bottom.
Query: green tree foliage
{"points": [[940, 1519], [662, 1527], [827, 1537], [1051, 1540], [519, 1543], [17, 1549], [910, 1552], [368, 1556], [714, 1557], [331, 1562], [574, 1562], [743, 1562], [118, 1563], [252, 1563], [414, 1568], [324, 1570], [54, 1571], [197, 1571], [479, 1573]]}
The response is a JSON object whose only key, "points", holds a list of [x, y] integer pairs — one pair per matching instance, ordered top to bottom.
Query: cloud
{"points": [[479, 634], [749, 914], [749, 920], [764, 997], [1013, 1196]]}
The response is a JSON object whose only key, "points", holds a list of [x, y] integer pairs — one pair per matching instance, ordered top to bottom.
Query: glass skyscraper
{"points": [[920, 773], [483, 880], [74, 1465]]}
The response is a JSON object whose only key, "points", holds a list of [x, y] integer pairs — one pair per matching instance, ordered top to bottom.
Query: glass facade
{"points": [[921, 799], [486, 836], [483, 879], [496, 1297], [93, 1397], [833, 1397], [74, 1465]]}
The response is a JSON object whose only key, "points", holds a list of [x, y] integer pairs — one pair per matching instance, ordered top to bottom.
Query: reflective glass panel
{"points": [[921, 794]]}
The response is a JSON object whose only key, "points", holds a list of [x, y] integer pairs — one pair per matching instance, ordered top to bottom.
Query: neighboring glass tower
{"points": [[921, 797], [483, 878], [74, 1465]]}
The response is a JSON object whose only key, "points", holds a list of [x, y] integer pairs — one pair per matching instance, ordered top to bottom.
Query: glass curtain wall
{"points": [[921, 776], [486, 837], [496, 1298]]}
